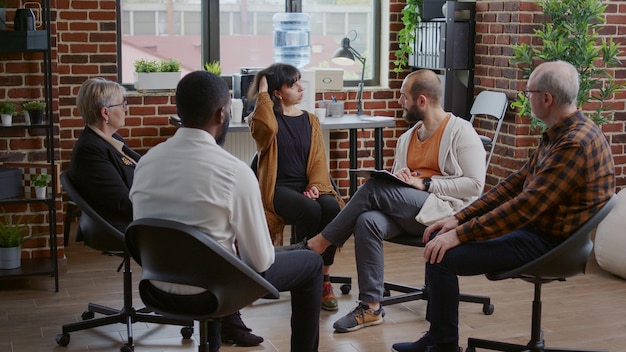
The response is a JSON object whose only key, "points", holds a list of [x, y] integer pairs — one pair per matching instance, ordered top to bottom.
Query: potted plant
{"points": [[571, 33], [406, 36], [213, 67], [156, 74], [35, 109], [7, 110], [40, 181], [12, 235]]}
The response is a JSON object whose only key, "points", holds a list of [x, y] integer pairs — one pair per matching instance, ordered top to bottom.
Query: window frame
{"points": [[210, 34]]}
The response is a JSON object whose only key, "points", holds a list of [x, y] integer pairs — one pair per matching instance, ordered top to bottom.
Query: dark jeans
{"points": [[308, 216], [474, 258], [300, 272]]}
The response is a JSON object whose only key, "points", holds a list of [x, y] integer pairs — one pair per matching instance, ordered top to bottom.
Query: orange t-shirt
{"points": [[423, 156]]}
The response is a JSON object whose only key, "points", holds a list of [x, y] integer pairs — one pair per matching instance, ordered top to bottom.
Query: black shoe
{"points": [[292, 247], [236, 332], [424, 344]]}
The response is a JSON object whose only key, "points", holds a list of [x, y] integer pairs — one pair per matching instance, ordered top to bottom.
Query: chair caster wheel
{"points": [[345, 288], [488, 310], [87, 315], [186, 332], [63, 339], [127, 348], [470, 349]]}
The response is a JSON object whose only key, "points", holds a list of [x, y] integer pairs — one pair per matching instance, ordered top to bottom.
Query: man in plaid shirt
{"points": [[566, 180]]}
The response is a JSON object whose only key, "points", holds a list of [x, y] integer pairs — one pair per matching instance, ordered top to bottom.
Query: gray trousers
{"points": [[378, 210]]}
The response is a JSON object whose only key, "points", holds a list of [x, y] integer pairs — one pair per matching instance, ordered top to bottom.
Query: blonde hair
{"points": [[94, 94]]}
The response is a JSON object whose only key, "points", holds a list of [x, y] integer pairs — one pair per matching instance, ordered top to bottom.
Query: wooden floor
{"points": [[584, 312]]}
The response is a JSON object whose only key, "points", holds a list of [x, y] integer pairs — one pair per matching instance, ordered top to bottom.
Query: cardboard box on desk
{"points": [[328, 79], [11, 181]]}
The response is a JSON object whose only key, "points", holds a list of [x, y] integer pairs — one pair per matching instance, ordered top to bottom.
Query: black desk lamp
{"points": [[345, 56]]}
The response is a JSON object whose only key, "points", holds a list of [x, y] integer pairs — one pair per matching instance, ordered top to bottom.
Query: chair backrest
{"points": [[493, 105], [97, 232], [175, 253], [565, 260]]}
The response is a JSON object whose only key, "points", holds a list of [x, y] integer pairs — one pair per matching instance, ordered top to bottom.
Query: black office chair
{"points": [[100, 235], [175, 253], [566, 260], [345, 281], [412, 293]]}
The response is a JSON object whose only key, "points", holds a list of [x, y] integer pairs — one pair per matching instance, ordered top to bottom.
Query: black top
{"points": [[294, 144], [103, 176]]}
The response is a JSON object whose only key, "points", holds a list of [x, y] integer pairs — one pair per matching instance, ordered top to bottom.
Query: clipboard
{"points": [[384, 174]]}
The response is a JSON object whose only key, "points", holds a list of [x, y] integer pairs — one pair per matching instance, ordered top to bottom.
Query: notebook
{"points": [[368, 173]]}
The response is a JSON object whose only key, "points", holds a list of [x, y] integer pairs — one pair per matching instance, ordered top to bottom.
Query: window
{"points": [[239, 33]]}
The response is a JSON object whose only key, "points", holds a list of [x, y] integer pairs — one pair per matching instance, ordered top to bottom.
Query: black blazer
{"points": [[103, 176]]}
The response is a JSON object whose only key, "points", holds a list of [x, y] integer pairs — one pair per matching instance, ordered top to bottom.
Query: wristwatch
{"points": [[427, 182]]}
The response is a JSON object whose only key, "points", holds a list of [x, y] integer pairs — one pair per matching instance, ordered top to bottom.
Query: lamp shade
{"points": [[343, 56]]}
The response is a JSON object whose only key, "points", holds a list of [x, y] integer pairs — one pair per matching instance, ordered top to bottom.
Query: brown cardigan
{"points": [[264, 129]]}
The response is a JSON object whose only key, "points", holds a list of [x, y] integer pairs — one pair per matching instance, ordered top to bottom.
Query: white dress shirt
{"points": [[191, 179]]}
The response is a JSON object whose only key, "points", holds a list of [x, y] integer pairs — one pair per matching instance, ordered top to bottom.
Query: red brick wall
{"points": [[501, 24], [85, 46]]}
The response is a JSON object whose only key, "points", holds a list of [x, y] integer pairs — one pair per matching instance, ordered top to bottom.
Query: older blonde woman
{"points": [[102, 168]]}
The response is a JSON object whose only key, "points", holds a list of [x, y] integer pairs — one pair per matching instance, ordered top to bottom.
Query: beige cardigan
{"points": [[264, 129]]}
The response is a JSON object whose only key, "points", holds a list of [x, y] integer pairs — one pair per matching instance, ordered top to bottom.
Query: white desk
{"points": [[349, 122]]}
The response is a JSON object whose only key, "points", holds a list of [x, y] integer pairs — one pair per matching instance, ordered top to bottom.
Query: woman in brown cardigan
{"points": [[292, 167]]}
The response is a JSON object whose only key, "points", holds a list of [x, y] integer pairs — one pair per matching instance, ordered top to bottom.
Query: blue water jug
{"points": [[292, 43]]}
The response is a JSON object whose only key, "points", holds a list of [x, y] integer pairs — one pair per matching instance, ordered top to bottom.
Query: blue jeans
{"points": [[474, 258], [300, 272]]}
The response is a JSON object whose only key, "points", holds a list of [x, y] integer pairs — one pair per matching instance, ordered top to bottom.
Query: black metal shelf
{"points": [[25, 42], [446, 45], [22, 126], [33, 266]]}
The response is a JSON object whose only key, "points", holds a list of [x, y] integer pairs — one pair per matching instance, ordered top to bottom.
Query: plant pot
{"points": [[156, 80], [36, 116], [26, 118], [7, 120], [40, 192], [10, 258]]}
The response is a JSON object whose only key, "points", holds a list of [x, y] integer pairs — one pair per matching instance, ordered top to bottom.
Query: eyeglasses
{"points": [[527, 92], [123, 104]]}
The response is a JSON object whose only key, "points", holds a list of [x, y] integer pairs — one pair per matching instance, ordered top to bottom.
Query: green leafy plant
{"points": [[570, 33], [406, 36], [143, 65], [213, 67], [33, 105], [7, 108], [40, 180], [13, 235]]}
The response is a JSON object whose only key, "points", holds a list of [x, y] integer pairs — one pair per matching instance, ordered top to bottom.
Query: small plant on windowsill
{"points": [[213, 67], [156, 74]]}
